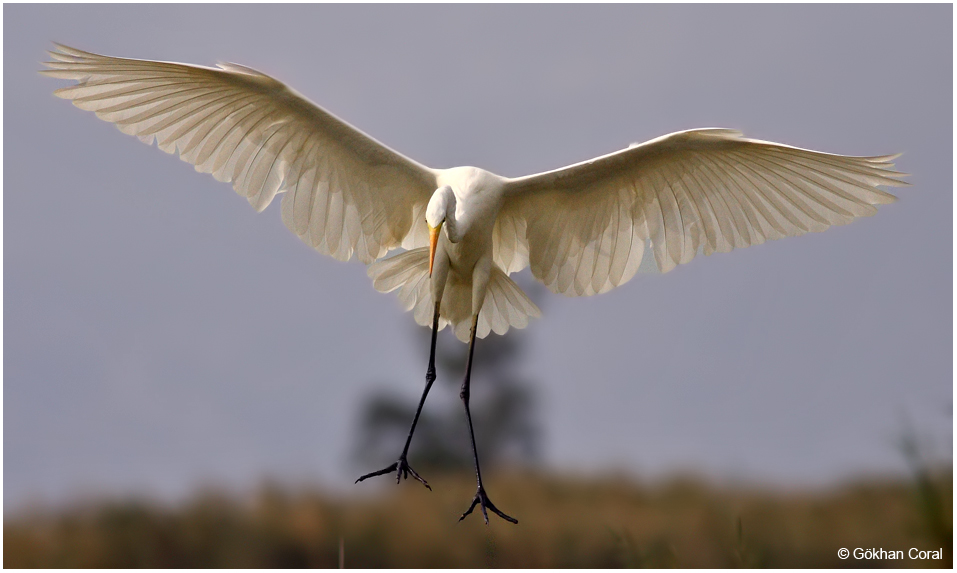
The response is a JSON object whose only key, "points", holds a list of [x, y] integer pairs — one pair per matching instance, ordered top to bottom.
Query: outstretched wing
{"points": [[345, 192], [583, 228]]}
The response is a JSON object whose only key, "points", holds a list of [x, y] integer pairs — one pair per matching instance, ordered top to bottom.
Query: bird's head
{"points": [[441, 207]]}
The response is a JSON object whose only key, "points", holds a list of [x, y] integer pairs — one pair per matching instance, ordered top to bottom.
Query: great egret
{"points": [[582, 229]]}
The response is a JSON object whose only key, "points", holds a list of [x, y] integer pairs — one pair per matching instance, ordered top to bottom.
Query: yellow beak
{"points": [[433, 241]]}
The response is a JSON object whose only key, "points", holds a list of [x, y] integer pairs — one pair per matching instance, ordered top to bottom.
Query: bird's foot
{"points": [[402, 469], [482, 499]]}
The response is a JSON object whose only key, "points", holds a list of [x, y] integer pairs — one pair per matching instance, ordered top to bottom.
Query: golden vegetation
{"points": [[611, 522]]}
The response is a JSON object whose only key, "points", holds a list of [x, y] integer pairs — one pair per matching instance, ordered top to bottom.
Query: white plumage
{"points": [[582, 229]]}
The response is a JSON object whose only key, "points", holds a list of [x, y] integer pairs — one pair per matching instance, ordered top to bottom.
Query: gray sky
{"points": [[160, 335]]}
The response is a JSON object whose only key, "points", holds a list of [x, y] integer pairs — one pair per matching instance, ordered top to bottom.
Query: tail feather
{"points": [[505, 304]]}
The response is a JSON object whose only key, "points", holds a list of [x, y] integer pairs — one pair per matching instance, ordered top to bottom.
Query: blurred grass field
{"points": [[563, 522]]}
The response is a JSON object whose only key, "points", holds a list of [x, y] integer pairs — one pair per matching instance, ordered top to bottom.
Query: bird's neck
{"points": [[448, 202]]}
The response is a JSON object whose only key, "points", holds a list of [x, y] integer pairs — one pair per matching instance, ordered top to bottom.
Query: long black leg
{"points": [[401, 466], [480, 496]]}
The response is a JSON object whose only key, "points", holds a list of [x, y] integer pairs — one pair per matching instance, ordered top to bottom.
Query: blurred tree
{"points": [[502, 405]]}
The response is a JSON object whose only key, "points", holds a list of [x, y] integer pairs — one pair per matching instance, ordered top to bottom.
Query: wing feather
{"points": [[710, 204], [740, 218], [621, 249]]}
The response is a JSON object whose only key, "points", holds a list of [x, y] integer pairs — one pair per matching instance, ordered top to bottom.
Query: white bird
{"points": [[582, 229]]}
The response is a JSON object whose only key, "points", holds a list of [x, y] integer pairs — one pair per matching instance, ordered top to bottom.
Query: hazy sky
{"points": [[160, 335]]}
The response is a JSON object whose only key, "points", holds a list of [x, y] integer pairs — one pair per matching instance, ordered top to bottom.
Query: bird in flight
{"points": [[581, 229]]}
